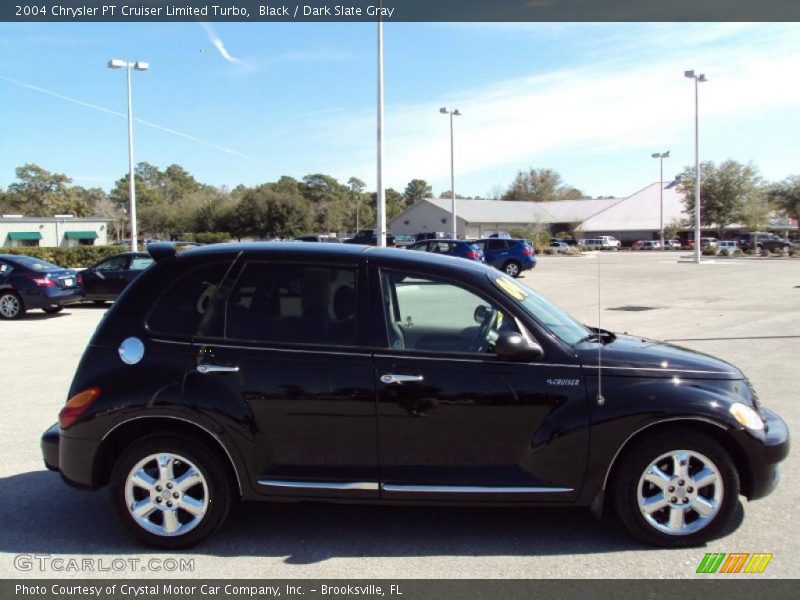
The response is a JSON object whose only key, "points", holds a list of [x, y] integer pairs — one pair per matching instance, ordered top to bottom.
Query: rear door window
{"points": [[293, 304]]}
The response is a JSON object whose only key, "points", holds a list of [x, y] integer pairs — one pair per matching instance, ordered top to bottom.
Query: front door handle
{"points": [[204, 369], [390, 378]]}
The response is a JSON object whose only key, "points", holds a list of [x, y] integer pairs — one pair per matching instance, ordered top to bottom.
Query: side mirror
{"points": [[512, 346]]}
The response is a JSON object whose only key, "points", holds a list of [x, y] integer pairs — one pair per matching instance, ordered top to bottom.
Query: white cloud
{"points": [[220, 46], [634, 98]]}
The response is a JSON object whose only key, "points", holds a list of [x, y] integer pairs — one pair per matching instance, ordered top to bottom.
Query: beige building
{"points": [[637, 216], [61, 231]]}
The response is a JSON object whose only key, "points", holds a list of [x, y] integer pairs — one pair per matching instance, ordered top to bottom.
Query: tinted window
{"points": [[496, 245], [116, 263], [140, 263], [188, 303], [293, 304], [437, 316]]}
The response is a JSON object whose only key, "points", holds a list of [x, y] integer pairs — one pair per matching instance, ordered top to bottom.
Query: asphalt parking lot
{"points": [[746, 311]]}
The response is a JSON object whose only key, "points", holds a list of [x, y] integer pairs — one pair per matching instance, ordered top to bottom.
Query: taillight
{"points": [[527, 251], [472, 255], [79, 279], [43, 281], [76, 406]]}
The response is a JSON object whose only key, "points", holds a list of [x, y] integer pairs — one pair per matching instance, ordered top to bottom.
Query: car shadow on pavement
{"points": [[42, 515]]}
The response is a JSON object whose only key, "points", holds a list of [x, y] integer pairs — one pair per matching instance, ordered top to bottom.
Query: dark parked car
{"points": [[431, 235], [369, 237], [325, 239], [765, 241], [458, 248], [509, 255], [106, 279], [27, 283], [338, 373]]}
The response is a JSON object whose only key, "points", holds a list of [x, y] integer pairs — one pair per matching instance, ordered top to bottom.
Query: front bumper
{"points": [[765, 455]]}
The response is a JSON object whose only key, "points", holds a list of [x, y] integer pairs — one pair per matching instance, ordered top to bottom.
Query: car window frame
{"points": [[356, 266], [382, 325]]}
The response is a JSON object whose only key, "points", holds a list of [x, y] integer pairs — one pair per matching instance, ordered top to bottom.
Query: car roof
{"points": [[397, 256]]}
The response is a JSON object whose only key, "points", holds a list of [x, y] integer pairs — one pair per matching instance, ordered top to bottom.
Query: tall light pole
{"points": [[116, 63], [698, 79], [453, 112], [661, 156], [381, 196]]}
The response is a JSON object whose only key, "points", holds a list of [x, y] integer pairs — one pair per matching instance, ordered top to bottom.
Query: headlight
{"points": [[746, 416]]}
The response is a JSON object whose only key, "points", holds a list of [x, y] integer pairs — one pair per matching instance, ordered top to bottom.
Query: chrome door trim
{"points": [[205, 368], [392, 378], [321, 485], [472, 489]]}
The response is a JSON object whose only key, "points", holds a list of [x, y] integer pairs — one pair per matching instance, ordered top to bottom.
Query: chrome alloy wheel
{"points": [[512, 269], [9, 306], [680, 492], [166, 494]]}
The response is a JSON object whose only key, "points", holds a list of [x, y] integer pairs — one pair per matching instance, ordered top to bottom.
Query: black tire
{"points": [[512, 268], [11, 305], [51, 310], [218, 486], [626, 488]]}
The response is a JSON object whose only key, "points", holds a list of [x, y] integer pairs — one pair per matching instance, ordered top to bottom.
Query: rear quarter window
{"points": [[187, 303]]}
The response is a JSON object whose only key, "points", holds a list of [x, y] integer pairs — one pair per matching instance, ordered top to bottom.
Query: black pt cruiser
{"points": [[310, 372]]}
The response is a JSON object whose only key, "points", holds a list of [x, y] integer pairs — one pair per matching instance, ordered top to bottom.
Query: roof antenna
{"points": [[600, 400]]}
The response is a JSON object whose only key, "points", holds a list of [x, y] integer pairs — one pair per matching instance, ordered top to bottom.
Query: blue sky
{"points": [[592, 101]]}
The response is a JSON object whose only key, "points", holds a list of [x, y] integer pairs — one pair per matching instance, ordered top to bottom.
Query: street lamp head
{"points": [[116, 63], [141, 66], [689, 74], [701, 78], [443, 110], [457, 113], [665, 154], [655, 155]]}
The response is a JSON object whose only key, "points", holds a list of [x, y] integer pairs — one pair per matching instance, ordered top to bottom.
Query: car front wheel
{"points": [[51, 310], [676, 489], [170, 491]]}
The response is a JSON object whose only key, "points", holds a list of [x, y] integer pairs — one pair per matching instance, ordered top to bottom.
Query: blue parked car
{"points": [[458, 248], [509, 255], [27, 283]]}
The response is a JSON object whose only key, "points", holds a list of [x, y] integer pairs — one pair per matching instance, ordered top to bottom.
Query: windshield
{"points": [[35, 264], [541, 309]]}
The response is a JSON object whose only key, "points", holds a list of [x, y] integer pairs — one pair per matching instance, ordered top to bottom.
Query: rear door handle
{"points": [[204, 369], [391, 378]]}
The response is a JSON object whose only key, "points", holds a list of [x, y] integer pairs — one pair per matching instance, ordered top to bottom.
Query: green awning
{"points": [[24, 235], [81, 235]]}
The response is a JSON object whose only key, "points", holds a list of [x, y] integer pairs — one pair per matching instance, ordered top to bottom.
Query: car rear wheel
{"points": [[512, 268], [10, 306], [51, 310], [676, 489], [170, 491]]}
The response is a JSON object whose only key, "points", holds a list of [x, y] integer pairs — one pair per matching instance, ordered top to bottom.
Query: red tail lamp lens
{"points": [[76, 406]]}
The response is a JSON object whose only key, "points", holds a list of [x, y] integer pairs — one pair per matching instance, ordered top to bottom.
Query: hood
{"points": [[628, 356]]}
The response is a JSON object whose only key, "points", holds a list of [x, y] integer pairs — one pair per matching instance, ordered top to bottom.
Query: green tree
{"points": [[540, 185], [417, 190], [724, 190], [38, 191], [449, 194], [786, 196], [358, 197], [265, 213]]}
